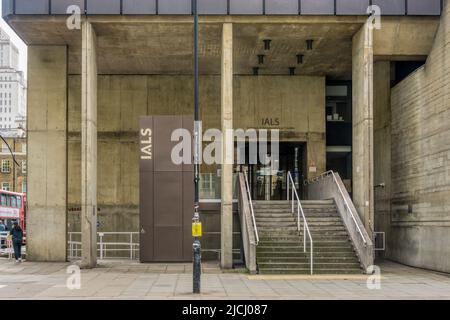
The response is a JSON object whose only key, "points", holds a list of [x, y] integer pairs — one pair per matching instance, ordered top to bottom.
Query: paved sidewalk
{"points": [[129, 280]]}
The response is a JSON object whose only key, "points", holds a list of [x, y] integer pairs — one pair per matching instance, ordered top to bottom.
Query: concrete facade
{"points": [[397, 142]]}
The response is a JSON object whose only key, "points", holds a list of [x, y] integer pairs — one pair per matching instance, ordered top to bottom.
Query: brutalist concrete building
{"points": [[358, 89]]}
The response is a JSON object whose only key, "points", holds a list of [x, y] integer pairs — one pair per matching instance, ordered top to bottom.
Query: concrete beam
{"points": [[401, 37], [362, 79], [88, 147], [227, 147], [47, 153]]}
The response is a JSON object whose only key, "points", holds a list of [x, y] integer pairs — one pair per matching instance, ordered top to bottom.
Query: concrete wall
{"points": [[298, 103], [382, 148], [47, 153], [420, 222]]}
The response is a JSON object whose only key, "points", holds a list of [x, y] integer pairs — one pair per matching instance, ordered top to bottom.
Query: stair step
{"points": [[312, 202], [272, 210], [313, 211], [274, 215], [323, 215], [323, 219], [276, 222], [326, 228], [277, 229], [317, 239], [299, 244], [317, 248], [300, 254], [305, 259], [316, 266], [308, 271]]}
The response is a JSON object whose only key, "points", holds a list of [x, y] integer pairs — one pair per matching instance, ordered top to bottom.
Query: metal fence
{"points": [[110, 245], [6, 248]]}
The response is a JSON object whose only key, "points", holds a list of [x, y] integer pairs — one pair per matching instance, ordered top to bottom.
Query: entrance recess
{"points": [[266, 184], [166, 192]]}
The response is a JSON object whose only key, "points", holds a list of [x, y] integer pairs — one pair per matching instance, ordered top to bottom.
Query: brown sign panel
{"points": [[166, 194]]}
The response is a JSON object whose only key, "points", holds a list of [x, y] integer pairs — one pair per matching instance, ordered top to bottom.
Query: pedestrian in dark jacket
{"points": [[17, 238]]}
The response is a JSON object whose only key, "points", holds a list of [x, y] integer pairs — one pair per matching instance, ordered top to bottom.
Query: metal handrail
{"points": [[326, 174], [290, 180], [255, 229], [74, 247], [9, 248]]}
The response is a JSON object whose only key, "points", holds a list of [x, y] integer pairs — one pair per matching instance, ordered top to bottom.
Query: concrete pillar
{"points": [[362, 80], [88, 147], [227, 147], [47, 153]]}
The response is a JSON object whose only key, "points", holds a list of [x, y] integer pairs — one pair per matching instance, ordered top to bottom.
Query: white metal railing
{"points": [[331, 173], [301, 214], [255, 229], [5, 241], [131, 245]]}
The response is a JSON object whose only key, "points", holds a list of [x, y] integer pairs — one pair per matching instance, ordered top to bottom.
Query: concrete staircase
{"points": [[280, 250]]}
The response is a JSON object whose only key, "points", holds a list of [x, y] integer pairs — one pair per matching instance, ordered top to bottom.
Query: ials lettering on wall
{"points": [[272, 122], [146, 144]]}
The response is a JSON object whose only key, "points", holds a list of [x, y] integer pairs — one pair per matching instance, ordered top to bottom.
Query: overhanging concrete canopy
{"points": [[163, 45]]}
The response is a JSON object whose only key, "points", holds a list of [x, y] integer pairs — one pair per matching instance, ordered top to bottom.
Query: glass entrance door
{"points": [[266, 184]]}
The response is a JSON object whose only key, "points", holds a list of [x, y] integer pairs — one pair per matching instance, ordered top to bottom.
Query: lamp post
{"points": [[196, 224]]}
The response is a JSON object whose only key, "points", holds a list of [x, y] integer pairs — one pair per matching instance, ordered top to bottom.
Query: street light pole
{"points": [[196, 225]]}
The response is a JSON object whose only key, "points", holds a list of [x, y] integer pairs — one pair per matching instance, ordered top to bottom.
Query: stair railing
{"points": [[332, 174], [329, 185], [252, 211], [300, 215], [249, 231]]}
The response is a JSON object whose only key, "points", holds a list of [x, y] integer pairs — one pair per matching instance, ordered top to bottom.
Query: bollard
{"points": [[197, 268]]}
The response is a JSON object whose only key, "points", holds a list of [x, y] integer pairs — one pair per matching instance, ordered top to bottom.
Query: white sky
{"points": [[18, 42]]}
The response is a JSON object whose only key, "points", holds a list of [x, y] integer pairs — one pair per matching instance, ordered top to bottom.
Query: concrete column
{"points": [[362, 79], [88, 147], [227, 147], [47, 153]]}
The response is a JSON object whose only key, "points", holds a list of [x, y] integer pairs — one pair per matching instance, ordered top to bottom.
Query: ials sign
{"points": [[146, 144]]}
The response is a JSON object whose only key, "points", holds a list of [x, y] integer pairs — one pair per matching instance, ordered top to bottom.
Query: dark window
{"points": [[60, 6], [103, 6], [282, 6], [32, 7], [139, 7], [174, 7], [212, 7], [246, 7], [322, 7], [352, 7], [391, 7], [424, 7], [404, 69]]}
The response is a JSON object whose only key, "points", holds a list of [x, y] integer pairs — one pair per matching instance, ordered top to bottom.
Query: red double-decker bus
{"points": [[13, 208]]}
